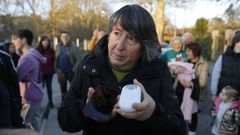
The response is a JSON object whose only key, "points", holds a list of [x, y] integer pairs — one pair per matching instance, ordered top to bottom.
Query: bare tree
{"points": [[7, 11], [158, 12]]}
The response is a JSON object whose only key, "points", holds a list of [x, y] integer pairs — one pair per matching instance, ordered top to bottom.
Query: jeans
{"points": [[62, 79], [47, 80], [32, 116], [194, 122]]}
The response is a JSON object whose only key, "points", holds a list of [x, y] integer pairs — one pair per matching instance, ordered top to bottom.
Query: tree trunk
{"points": [[160, 19]]}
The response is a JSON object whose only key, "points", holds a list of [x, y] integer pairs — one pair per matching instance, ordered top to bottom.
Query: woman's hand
{"points": [[179, 69], [185, 83], [90, 93], [144, 110]]}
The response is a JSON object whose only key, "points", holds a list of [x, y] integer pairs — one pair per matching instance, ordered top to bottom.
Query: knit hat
{"points": [[236, 39]]}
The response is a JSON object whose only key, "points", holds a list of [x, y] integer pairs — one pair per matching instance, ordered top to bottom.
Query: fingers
{"points": [[136, 82], [90, 93], [144, 104], [141, 106], [116, 107], [115, 110], [143, 110]]}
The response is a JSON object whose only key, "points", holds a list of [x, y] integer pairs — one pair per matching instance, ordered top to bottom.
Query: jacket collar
{"points": [[68, 44], [230, 52]]}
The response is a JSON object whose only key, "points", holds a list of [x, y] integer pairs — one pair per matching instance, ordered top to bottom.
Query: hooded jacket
{"points": [[95, 69], [28, 70], [9, 84], [230, 123]]}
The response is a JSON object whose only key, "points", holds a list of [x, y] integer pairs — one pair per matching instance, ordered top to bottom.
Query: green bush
{"points": [[205, 43]]}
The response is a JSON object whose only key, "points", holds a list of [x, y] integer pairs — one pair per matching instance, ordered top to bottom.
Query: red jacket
{"points": [[48, 68]]}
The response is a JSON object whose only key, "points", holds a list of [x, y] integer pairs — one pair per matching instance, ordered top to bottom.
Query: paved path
{"points": [[51, 126]]}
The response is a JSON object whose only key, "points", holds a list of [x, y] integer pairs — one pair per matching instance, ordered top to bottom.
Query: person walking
{"points": [[67, 58], [47, 69], [28, 70]]}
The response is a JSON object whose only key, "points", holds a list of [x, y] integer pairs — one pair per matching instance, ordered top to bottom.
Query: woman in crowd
{"points": [[10, 49], [177, 53], [127, 55], [201, 68], [47, 69], [226, 69]]}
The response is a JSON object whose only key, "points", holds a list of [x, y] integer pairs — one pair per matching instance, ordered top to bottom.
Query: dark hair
{"points": [[139, 23], [65, 32], [27, 34], [236, 39], [40, 45], [6, 46], [196, 49]]}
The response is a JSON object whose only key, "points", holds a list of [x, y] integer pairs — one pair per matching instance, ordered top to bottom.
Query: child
{"points": [[227, 112]]}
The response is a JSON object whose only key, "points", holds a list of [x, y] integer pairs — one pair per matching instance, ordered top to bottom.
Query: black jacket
{"points": [[95, 69], [230, 73], [9, 83]]}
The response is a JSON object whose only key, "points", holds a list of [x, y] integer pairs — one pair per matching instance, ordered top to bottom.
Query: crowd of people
{"points": [[171, 83]]}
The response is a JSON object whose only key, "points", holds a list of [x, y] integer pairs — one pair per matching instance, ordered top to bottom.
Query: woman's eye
{"points": [[116, 33], [132, 40]]}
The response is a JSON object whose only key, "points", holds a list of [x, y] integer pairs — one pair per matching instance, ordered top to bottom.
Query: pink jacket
{"points": [[234, 104], [188, 106]]}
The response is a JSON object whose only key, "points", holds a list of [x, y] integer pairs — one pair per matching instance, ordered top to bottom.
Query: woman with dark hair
{"points": [[10, 49], [129, 54], [47, 69], [226, 69], [197, 84], [10, 99]]}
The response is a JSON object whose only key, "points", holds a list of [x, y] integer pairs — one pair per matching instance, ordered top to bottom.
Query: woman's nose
{"points": [[121, 43]]}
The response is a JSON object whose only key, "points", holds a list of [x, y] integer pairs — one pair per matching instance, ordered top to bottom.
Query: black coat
{"points": [[95, 69], [230, 73], [10, 93]]}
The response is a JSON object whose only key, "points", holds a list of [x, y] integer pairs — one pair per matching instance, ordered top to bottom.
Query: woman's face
{"points": [[45, 43], [177, 45], [237, 47], [11, 49], [123, 49], [190, 55]]}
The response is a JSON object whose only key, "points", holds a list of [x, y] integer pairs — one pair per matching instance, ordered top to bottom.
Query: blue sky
{"points": [[185, 17]]}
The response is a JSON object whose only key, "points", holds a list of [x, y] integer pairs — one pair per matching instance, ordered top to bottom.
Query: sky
{"points": [[185, 17]]}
